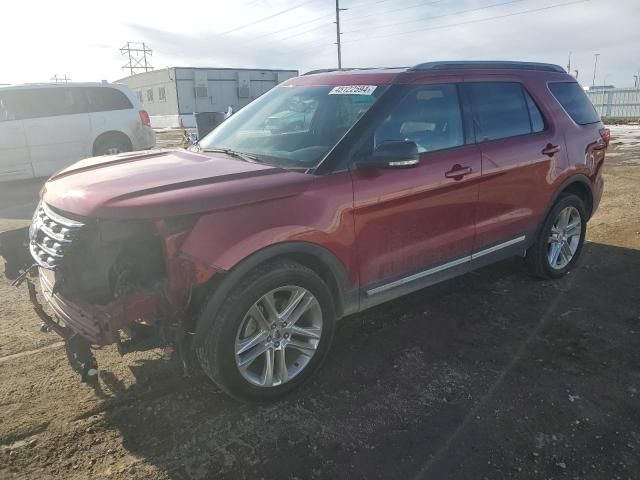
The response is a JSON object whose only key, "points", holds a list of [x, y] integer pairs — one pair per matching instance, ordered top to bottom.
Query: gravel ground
{"points": [[490, 375]]}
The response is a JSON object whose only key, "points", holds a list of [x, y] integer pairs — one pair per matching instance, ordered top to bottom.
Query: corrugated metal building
{"points": [[174, 94], [616, 103]]}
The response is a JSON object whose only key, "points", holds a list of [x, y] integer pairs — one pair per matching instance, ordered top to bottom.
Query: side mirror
{"points": [[395, 154]]}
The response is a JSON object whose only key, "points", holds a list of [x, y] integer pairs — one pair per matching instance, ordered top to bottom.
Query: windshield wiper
{"points": [[247, 157]]}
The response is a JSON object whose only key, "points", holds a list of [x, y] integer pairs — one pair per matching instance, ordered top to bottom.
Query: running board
{"points": [[440, 268]]}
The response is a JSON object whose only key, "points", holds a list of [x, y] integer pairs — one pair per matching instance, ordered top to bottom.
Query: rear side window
{"points": [[105, 99], [573, 99], [49, 102], [503, 110], [427, 115]]}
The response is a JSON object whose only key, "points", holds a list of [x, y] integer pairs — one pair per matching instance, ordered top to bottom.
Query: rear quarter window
{"points": [[105, 99], [575, 102]]}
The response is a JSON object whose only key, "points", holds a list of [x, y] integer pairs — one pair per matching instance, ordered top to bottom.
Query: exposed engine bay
{"points": [[110, 260]]}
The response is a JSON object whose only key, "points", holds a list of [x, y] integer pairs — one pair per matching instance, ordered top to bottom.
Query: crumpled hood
{"points": [[164, 183]]}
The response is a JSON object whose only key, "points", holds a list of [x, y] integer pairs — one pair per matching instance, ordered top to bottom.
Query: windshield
{"points": [[293, 127]]}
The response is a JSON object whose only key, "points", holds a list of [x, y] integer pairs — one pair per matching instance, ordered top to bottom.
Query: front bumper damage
{"points": [[144, 315]]}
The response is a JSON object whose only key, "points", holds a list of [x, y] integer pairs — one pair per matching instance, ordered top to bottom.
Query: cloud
{"points": [[86, 43]]}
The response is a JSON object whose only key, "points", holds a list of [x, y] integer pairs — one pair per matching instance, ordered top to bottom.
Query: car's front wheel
{"points": [[559, 242], [269, 334]]}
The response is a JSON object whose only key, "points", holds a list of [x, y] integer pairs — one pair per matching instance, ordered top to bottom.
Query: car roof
{"points": [[386, 76]]}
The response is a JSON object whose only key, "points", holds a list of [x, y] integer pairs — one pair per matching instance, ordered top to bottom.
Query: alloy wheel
{"points": [[564, 238], [278, 336]]}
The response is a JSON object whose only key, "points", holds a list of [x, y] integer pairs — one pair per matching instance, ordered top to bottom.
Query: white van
{"points": [[46, 127]]}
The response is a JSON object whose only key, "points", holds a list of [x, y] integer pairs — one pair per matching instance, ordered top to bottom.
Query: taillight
{"points": [[144, 117], [605, 133]]}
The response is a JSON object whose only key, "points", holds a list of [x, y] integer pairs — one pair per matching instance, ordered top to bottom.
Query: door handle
{"points": [[550, 150], [458, 172]]}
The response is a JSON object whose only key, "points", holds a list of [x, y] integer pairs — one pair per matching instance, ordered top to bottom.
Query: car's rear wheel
{"points": [[112, 144], [560, 240], [269, 334]]}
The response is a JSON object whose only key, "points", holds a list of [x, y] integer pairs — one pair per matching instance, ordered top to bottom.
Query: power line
{"points": [[365, 4], [423, 4], [282, 12], [322, 17], [422, 19], [324, 25], [451, 25], [293, 28]]}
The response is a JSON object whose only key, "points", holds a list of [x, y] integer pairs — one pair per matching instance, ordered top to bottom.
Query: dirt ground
{"points": [[491, 375]]}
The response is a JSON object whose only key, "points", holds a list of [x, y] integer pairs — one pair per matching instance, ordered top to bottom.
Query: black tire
{"points": [[111, 145], [537, 255], [219, 324]]}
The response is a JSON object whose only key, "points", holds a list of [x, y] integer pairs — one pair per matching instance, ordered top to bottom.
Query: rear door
{"points": [[56, 126], [521, 151], [14, 154], [414, 225]]}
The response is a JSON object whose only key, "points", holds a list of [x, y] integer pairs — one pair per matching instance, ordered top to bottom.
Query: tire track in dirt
{"points": [[27, 353]]}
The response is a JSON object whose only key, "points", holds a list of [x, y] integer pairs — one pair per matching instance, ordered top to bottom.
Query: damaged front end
{"points": [[107, 280]]}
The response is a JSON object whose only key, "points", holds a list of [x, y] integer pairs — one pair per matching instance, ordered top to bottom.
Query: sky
{"points": [[82, 39]]}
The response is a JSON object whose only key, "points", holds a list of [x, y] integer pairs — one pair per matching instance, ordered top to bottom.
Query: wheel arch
{"points": [[109, 134], [579, 185], [313, 256]]}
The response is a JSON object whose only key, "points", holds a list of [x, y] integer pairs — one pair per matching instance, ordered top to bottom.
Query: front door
{"points": [[416, 223]]}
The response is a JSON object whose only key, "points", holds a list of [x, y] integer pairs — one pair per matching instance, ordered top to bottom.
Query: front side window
{"points": [[576, 103], [499, 110], [428, 115], [294, 126]]}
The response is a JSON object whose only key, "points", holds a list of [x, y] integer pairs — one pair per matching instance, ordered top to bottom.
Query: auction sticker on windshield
{"points": [[353, 90]]}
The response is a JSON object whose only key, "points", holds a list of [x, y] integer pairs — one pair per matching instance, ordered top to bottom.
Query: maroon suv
{"points": [[332, 193]]}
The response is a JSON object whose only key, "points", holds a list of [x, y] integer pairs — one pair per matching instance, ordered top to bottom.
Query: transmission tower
{"points": [[137, 53], [57, 79]]}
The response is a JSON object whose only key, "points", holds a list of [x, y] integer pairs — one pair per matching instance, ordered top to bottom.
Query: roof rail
{"points": [[489, 64], [328, 70]]}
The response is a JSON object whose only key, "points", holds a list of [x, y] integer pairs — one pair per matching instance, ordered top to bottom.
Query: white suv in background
{"points": [[46, 127]]}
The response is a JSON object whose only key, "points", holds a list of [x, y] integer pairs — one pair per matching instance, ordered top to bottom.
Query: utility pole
{"points": [[338, 10], [137, 54], [569, 63], [595, 68], [577, 73]]}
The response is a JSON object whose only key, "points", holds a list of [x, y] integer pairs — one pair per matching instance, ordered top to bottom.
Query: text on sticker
{"points": [[353, 90]]}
